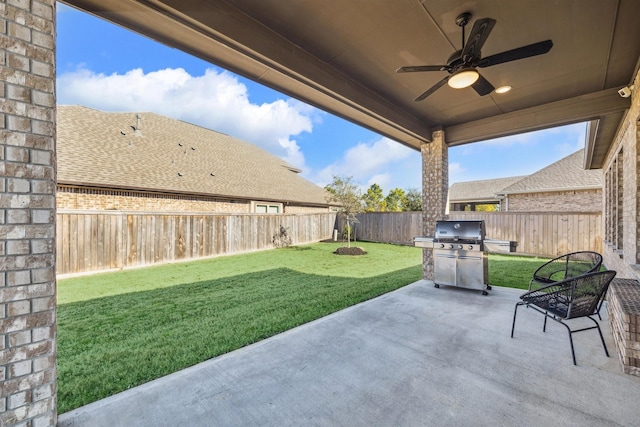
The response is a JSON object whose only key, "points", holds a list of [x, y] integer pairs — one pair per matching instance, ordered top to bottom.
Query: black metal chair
{"points": [[566, 266], [569, 299]]}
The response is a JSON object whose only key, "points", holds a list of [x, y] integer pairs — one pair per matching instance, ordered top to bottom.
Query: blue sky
{"points": [[103, 66]]}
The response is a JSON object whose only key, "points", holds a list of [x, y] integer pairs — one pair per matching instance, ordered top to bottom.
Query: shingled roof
{"points": [[157, 153], [565, 174], [479, 191]]}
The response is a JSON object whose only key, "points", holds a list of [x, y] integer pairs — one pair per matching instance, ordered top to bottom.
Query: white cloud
{"points": [[215, 100], [514, 155], [365, 159], [383, 162], [382, 179]]}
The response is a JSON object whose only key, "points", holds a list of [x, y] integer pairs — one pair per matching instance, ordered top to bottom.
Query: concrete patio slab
{"points": [[419, 356]]}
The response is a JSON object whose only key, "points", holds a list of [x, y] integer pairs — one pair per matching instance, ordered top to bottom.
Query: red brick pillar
{"points": [[435, 187], [27, 213]]}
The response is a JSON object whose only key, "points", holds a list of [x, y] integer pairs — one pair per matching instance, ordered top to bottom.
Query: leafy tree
{"points": [[344, 192], [374, 199], [394, 200], [412, 200], [487, 208]]}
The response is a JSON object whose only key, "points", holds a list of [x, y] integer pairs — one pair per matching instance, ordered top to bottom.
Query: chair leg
{"points": [[599, 307], [515, 311], [559, 320], [513, 325], [601, 337], [573, 353]]}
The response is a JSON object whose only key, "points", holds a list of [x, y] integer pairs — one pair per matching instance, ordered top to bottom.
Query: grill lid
{"points": [[459, 231]]}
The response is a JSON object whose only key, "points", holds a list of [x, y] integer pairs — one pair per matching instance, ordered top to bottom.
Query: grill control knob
{"points": [[442, 245], [450, 246], [459, 246], [470, 247]]}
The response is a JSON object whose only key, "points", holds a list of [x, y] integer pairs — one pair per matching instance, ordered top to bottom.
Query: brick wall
{"points": [[435, 187], [76, 198], [99, 199], [560, 201], [290, 209], [27, 213], [621, 249], [624, 318]]}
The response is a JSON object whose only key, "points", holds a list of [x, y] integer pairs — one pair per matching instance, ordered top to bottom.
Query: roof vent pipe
{"points": [[137, 130]]}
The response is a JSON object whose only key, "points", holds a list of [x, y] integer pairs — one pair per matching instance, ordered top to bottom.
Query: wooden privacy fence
{"points": [[388, 227], [536, 233], [542, 233], [93, 241]]}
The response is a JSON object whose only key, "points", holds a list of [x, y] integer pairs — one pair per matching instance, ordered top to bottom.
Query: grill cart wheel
{"points": [[436, 285]]}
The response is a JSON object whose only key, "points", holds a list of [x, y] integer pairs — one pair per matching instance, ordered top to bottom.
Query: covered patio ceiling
{"points": [[342, 56]]}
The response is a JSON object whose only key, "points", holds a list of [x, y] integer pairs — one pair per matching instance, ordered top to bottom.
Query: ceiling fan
{"points": [[462, 64]]}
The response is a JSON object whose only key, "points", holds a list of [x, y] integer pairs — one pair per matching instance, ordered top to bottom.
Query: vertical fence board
{"points": [[73, 242], [112, 242], [63, 243], [81, 243], [124, 244]]}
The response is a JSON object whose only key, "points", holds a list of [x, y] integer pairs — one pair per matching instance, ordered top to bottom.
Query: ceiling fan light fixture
{"points": [[463, 78], [503, 89]]}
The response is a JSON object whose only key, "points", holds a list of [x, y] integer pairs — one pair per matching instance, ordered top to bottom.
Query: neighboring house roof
{"points": [[104, 149], [565, 174], [479, 191]]}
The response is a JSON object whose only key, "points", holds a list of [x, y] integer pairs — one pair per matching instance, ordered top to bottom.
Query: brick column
{"points": [[435, 187], [27, 213]]}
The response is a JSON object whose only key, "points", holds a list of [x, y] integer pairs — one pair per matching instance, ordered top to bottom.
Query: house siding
{"points": [[560, 201], [621, 201]]}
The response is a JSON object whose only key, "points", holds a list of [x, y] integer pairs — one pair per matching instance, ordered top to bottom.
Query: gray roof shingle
{"points": [[104, 149], [566, 174], [479, 191]]}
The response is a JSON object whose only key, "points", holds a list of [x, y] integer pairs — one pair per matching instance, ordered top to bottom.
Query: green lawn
{"points": [[513, 271], [119, 330]]}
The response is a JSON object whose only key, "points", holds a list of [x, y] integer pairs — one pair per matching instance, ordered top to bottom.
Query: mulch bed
{"points": [[354, 250]]}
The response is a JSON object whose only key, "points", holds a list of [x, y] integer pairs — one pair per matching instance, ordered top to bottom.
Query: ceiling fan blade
{"points": [[479, 33], [515, 54], [418, 68], [482, 86], [432, 89]]}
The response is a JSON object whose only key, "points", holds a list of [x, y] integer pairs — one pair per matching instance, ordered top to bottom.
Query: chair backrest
{"points": [[568, 265], [588, 290]]}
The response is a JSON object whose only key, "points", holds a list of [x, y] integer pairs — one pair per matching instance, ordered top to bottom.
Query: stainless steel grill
{"points": [[459, 256]]}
